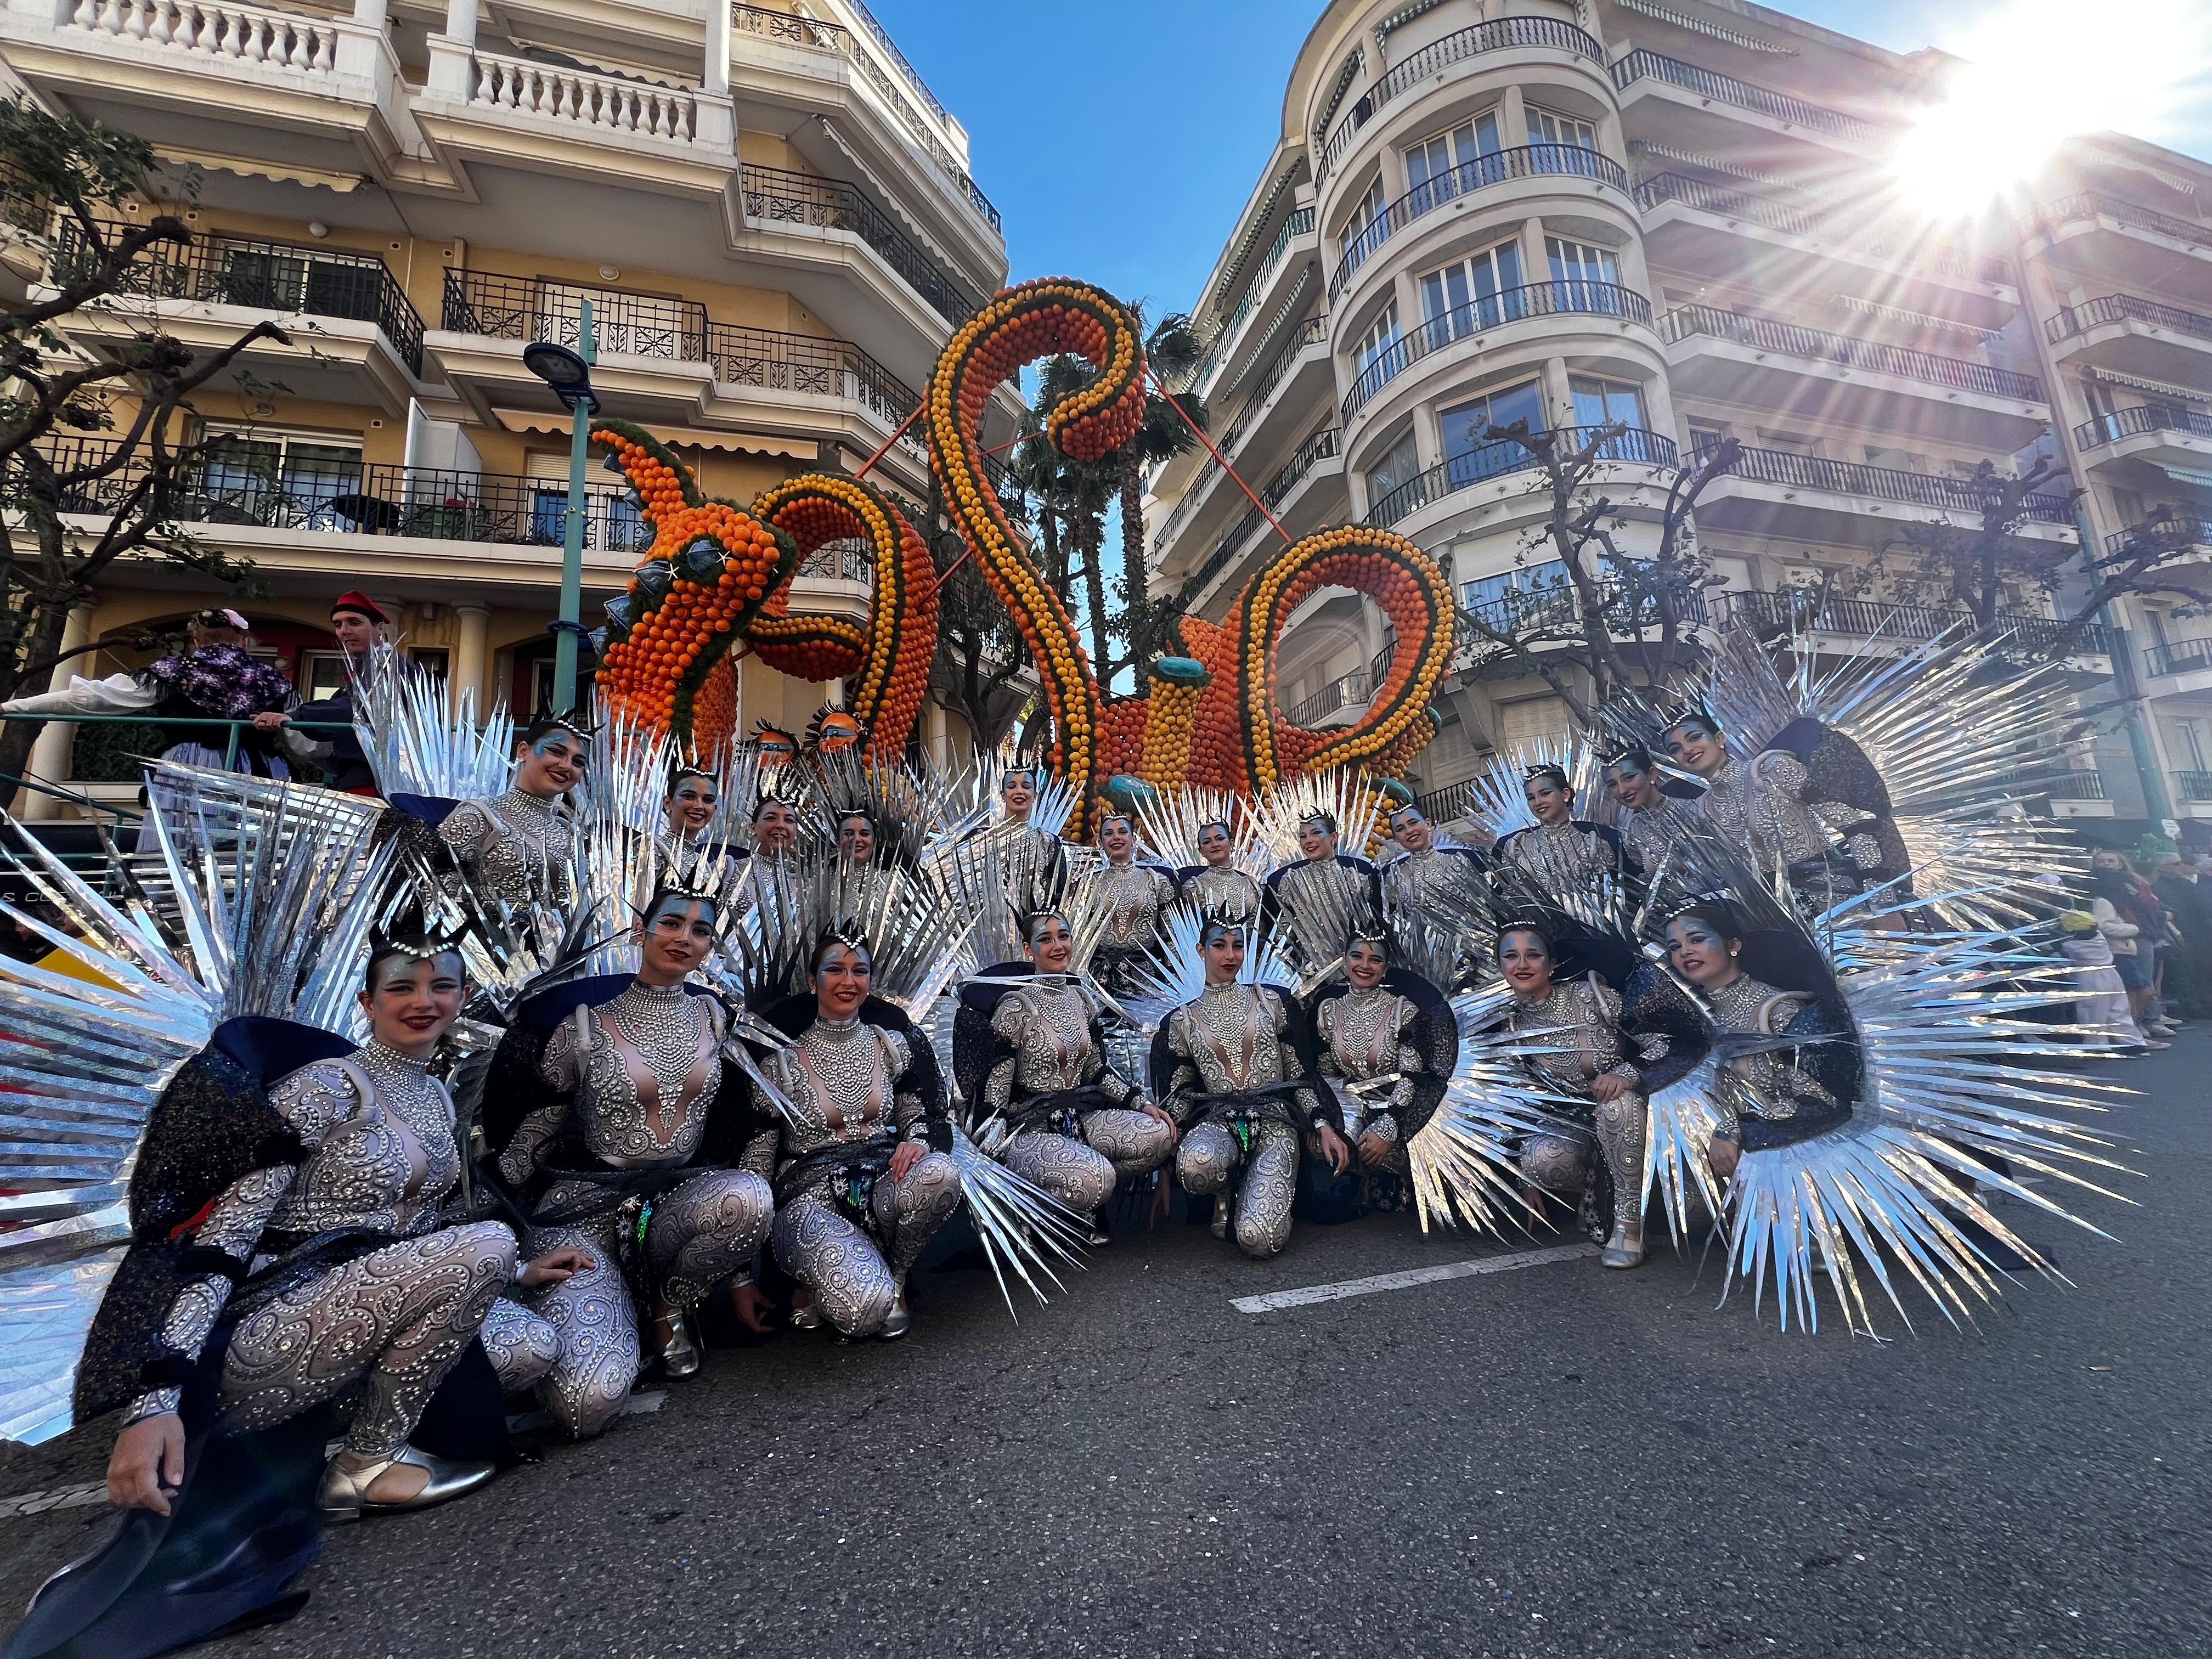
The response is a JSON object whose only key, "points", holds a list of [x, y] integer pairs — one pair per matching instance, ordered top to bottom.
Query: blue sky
{"points": [[1118, 140]]}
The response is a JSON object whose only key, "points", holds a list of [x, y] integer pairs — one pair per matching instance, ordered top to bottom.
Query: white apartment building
{"points": [[770, 212], [1677, 214]]}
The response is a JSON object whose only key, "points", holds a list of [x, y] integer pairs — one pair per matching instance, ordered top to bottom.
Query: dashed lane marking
{"points": [[1273, 1300]]}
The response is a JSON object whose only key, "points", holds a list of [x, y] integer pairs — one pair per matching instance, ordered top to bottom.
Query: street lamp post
{"points": [[569, 373]]}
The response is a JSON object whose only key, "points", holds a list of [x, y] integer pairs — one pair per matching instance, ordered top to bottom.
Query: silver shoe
{"points": [[1220, 1215], [1625, 1248], [808, 1318], [897, 1321], [679, 1354], [343, 1493]]}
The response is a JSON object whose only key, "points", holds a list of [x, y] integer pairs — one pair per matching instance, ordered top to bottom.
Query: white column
{"points": [[370, 14], [460, 20], [718, 46], [471, 656], [49, 755]]}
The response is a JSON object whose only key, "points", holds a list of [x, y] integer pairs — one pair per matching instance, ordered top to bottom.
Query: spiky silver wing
{"points": [[420, 742], [1345, 793], [1168, 822], [269, 892], [1173, 971], [1024, 1228]]}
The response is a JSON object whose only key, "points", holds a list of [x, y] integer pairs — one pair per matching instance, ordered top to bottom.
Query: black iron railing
{"points": [[1500, 35], [891, 87], [1727, 89], [1529, 161], [1705, 197], [777, 198], [21, 204], [2090, 205], [1300, 223], [308, 279], [1511, 305], [526, 308], [2122, 308], [1765, 334], [1304, 337], [820, 368], [2134, 422], [1319, 448], [1501, 456], [245, 482], [1889, 484], [2161, 535], [1555, 608], [1808, 609], [2180, 657], [1354, 690], [2194, 786]]}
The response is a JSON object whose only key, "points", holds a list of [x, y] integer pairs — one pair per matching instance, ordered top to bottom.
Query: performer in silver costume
{"points": [[1654, 820], [856, 835], [520, 847], [1559, 849], [1828, 850], [774, 860], [1034, 861], [1324, 875], [1427, 877], [1218, 887], [1135, 897], [1365, 1034], [1587, 1051], [1228, 1068], [638, 1079], [1790, 1093], [1079, 1126], [860, 1163], [361, 1280]]}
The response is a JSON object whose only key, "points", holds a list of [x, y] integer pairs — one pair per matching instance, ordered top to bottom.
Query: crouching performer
{"points": [[1234, 1068], [632, 1160], [860, 1160]]}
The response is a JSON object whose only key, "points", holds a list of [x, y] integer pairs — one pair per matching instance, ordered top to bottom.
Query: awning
{"points": [[317, 177], [679, 437]]}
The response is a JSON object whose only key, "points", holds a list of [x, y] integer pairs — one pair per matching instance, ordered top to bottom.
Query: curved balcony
{"points": [[1500, 35], [1717, 89], [1529, 161], [775, 197], [1300, 223], [1816, 225], [1512, 305], [2125, 307], [1765, 334], [2140, 421], [1321, 446], [1502, 456], [1888, 483], [2156, 537], [1809, 609]]}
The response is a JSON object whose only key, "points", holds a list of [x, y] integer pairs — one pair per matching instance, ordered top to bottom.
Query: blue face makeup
{"points": [[683, 909], [1694, 933], [399, 970]]}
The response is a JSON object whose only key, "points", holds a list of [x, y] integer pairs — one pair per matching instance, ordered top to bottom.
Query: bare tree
{"points": [[109, 438], [1612, 618], [980, 654]]}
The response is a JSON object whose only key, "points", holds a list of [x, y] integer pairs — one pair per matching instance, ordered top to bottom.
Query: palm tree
{"points": [[1172, 351]]}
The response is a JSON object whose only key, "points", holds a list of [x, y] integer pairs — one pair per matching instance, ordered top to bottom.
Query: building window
{"points": [[1547, 127], [1563, 143], [1441, 167], [1353, 240], [1581, 262], [1473, 294], [1381, 335], [1600, 402], [1703, 435], [1471, 451], [1396, 470], [289, 478], [1514, 590], [433, 661], [322, 674], [1533, 722], [2193, 745]]}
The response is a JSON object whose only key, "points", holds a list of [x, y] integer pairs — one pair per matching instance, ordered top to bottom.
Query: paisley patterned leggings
{"points": [[1133, 1144], [1207, 1163], [1559, 1164], [1072, 1172], [701, 1233], [853, 1280], [397, 1318]]}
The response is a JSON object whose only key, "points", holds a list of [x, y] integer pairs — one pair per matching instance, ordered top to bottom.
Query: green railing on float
{"points": [[55, 791]]}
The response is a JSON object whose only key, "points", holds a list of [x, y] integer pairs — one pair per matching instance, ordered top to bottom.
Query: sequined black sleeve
{"points": [[1801, 1093]]}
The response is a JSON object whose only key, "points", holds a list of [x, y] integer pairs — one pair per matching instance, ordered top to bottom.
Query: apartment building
{"points": [[770, 213], [1680, 217]]}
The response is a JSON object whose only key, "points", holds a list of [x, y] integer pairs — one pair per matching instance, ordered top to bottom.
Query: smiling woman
{"points": [[2016, 97]]}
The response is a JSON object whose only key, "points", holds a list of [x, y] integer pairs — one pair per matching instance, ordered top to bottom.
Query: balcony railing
{"points": [[243, 34], [1500, 35], [891, 87], [1741, 94], [587, 98], [1529, 161], [1704, 197], [777, 198], [22, 205], [2089, 205], [1300, 223], [261, 276], [1512, 305], [2123, 307], [677, 331], [1764, 334], [1307, 335], [2142, 418], [1319, 448], [1501, 456], [1889, 484], [241, 485], [2165, 535], [1556, 607], [1807, 609], [2180, 657], [1352, 691], [2194, 786]]}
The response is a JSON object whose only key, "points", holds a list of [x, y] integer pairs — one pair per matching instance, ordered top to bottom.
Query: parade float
{"points": [[715, 584]]}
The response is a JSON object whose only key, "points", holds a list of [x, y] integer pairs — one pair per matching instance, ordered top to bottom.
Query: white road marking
{"points": [[1490, 1264], [61, 1497]]}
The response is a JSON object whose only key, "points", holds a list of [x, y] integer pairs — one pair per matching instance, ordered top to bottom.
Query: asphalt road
{"points": [[1551, 1460]]}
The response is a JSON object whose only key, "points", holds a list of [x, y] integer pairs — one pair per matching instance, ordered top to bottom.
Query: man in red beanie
{"points": [[359, 622]]}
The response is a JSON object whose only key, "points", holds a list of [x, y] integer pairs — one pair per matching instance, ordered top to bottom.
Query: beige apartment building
{"points": [[770, 211], [1678, 215]]}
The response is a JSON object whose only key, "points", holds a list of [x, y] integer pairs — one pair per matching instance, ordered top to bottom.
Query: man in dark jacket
{"points": [[328, 740]]}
